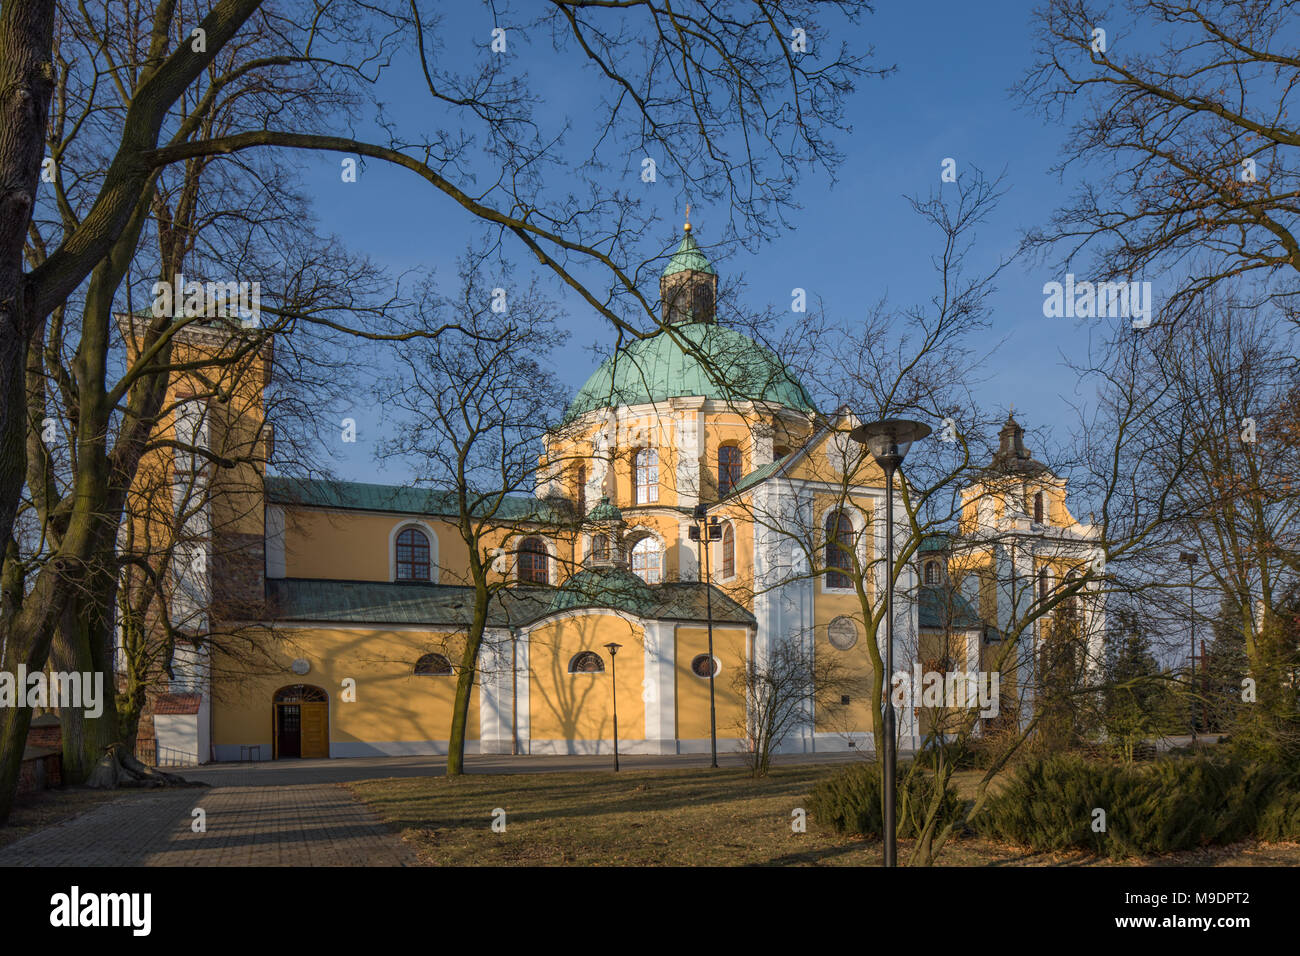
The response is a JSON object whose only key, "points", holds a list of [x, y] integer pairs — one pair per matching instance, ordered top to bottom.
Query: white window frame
{"points": [[650, 488], [429, 533]]}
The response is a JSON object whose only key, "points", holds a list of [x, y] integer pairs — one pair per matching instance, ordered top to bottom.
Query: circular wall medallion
{"points": [[843, 633], [300, 666]]}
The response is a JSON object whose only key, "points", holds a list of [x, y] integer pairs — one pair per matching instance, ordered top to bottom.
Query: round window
{"points": [[843, 633], [700, 666]]}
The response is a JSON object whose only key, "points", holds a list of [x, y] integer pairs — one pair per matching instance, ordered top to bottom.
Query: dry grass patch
{"points": [[691, 817]]}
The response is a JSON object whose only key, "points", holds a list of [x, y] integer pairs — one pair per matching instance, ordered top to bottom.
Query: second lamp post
{"points": [[888, 442], [613, 689]]}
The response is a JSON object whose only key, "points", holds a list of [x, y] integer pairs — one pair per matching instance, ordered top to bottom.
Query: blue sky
{"points": [[852, 243]]}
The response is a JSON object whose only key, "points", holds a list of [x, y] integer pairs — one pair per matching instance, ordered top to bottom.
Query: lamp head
{"points": [[888, 440], [612, 648]]}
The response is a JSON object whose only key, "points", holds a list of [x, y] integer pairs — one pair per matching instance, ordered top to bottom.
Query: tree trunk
{"points": [[27, 82], [84, 643], [465, 685], [117, 767]]}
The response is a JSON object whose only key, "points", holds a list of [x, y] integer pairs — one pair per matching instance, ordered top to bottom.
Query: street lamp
{"points": [[888, 441], [700, 532], [1189, 558], [613, 688]]}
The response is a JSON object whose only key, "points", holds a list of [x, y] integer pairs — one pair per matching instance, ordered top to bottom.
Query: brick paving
{"points": [[284, 813], [300, 825]]}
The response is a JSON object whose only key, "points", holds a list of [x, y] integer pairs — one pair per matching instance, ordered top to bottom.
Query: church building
{"points": [[674, 507]]}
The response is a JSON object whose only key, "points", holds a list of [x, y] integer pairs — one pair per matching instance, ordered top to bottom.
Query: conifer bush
{"points": [[850, 801], [1170, 804], [1280, 819]]}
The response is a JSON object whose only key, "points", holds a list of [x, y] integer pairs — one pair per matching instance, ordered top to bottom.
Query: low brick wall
{"points": [[40, 769]]}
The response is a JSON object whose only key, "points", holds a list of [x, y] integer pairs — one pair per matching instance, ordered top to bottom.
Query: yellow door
{"points": [[315, 730]]}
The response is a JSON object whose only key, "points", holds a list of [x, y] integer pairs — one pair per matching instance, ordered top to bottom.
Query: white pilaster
{"points": [[660, 691]]}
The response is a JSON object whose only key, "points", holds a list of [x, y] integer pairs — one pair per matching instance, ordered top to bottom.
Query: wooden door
{"points": [[315, 730]]}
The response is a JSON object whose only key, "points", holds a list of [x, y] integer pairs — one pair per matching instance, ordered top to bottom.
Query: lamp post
{"points": [[888, 441], [701, 532], [1189, 558], [613, 687], [514, 690]]}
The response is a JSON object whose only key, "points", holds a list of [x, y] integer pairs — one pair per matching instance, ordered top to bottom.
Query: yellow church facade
{"points": [[365, 596]]}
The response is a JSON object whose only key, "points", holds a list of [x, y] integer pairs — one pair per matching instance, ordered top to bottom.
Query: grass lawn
{"points": [[693, 817]]}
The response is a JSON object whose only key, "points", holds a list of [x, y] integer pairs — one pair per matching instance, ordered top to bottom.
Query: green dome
{"points": [[689, 256], [658, 368], [613, 588]]}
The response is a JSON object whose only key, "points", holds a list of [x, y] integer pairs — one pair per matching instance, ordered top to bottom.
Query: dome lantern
{"points": [[688, 287]]}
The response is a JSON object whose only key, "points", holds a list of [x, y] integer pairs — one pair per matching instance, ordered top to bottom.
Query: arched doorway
{"points": [[300, 722]]}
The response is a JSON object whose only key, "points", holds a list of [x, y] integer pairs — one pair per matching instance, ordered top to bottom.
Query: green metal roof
{"points": [[689, 256], [658, 368], [756, 476], [358, 496], [937, 541], [612, 588], [384, 602], [449, 605], [940, 609]]}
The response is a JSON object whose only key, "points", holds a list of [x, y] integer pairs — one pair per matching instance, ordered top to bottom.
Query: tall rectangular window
{"points": [[728, 469], [647, 476]]}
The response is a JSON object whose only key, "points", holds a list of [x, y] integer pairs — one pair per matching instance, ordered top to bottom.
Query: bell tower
{"points": [[688, 287]]}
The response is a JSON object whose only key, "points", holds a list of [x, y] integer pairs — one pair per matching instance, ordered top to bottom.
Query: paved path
{"points": [[285, 813], [302, 825]]}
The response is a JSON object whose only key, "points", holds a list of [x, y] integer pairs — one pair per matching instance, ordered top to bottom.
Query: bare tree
{"points": [[282, 51], [1183, 110], [473, 407], [779, 689]]}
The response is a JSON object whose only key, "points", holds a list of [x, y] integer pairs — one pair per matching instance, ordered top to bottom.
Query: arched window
{"points": [[702, 302], [728, 469], [647, 476], [581, 495], [1038, 507], [839, 545], [600, 547], [728, 551], [412, 555], [648, 560], [533, 561], [932, 572], [1044, 585], [586, 662], [433, 665], [300, 693]]}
